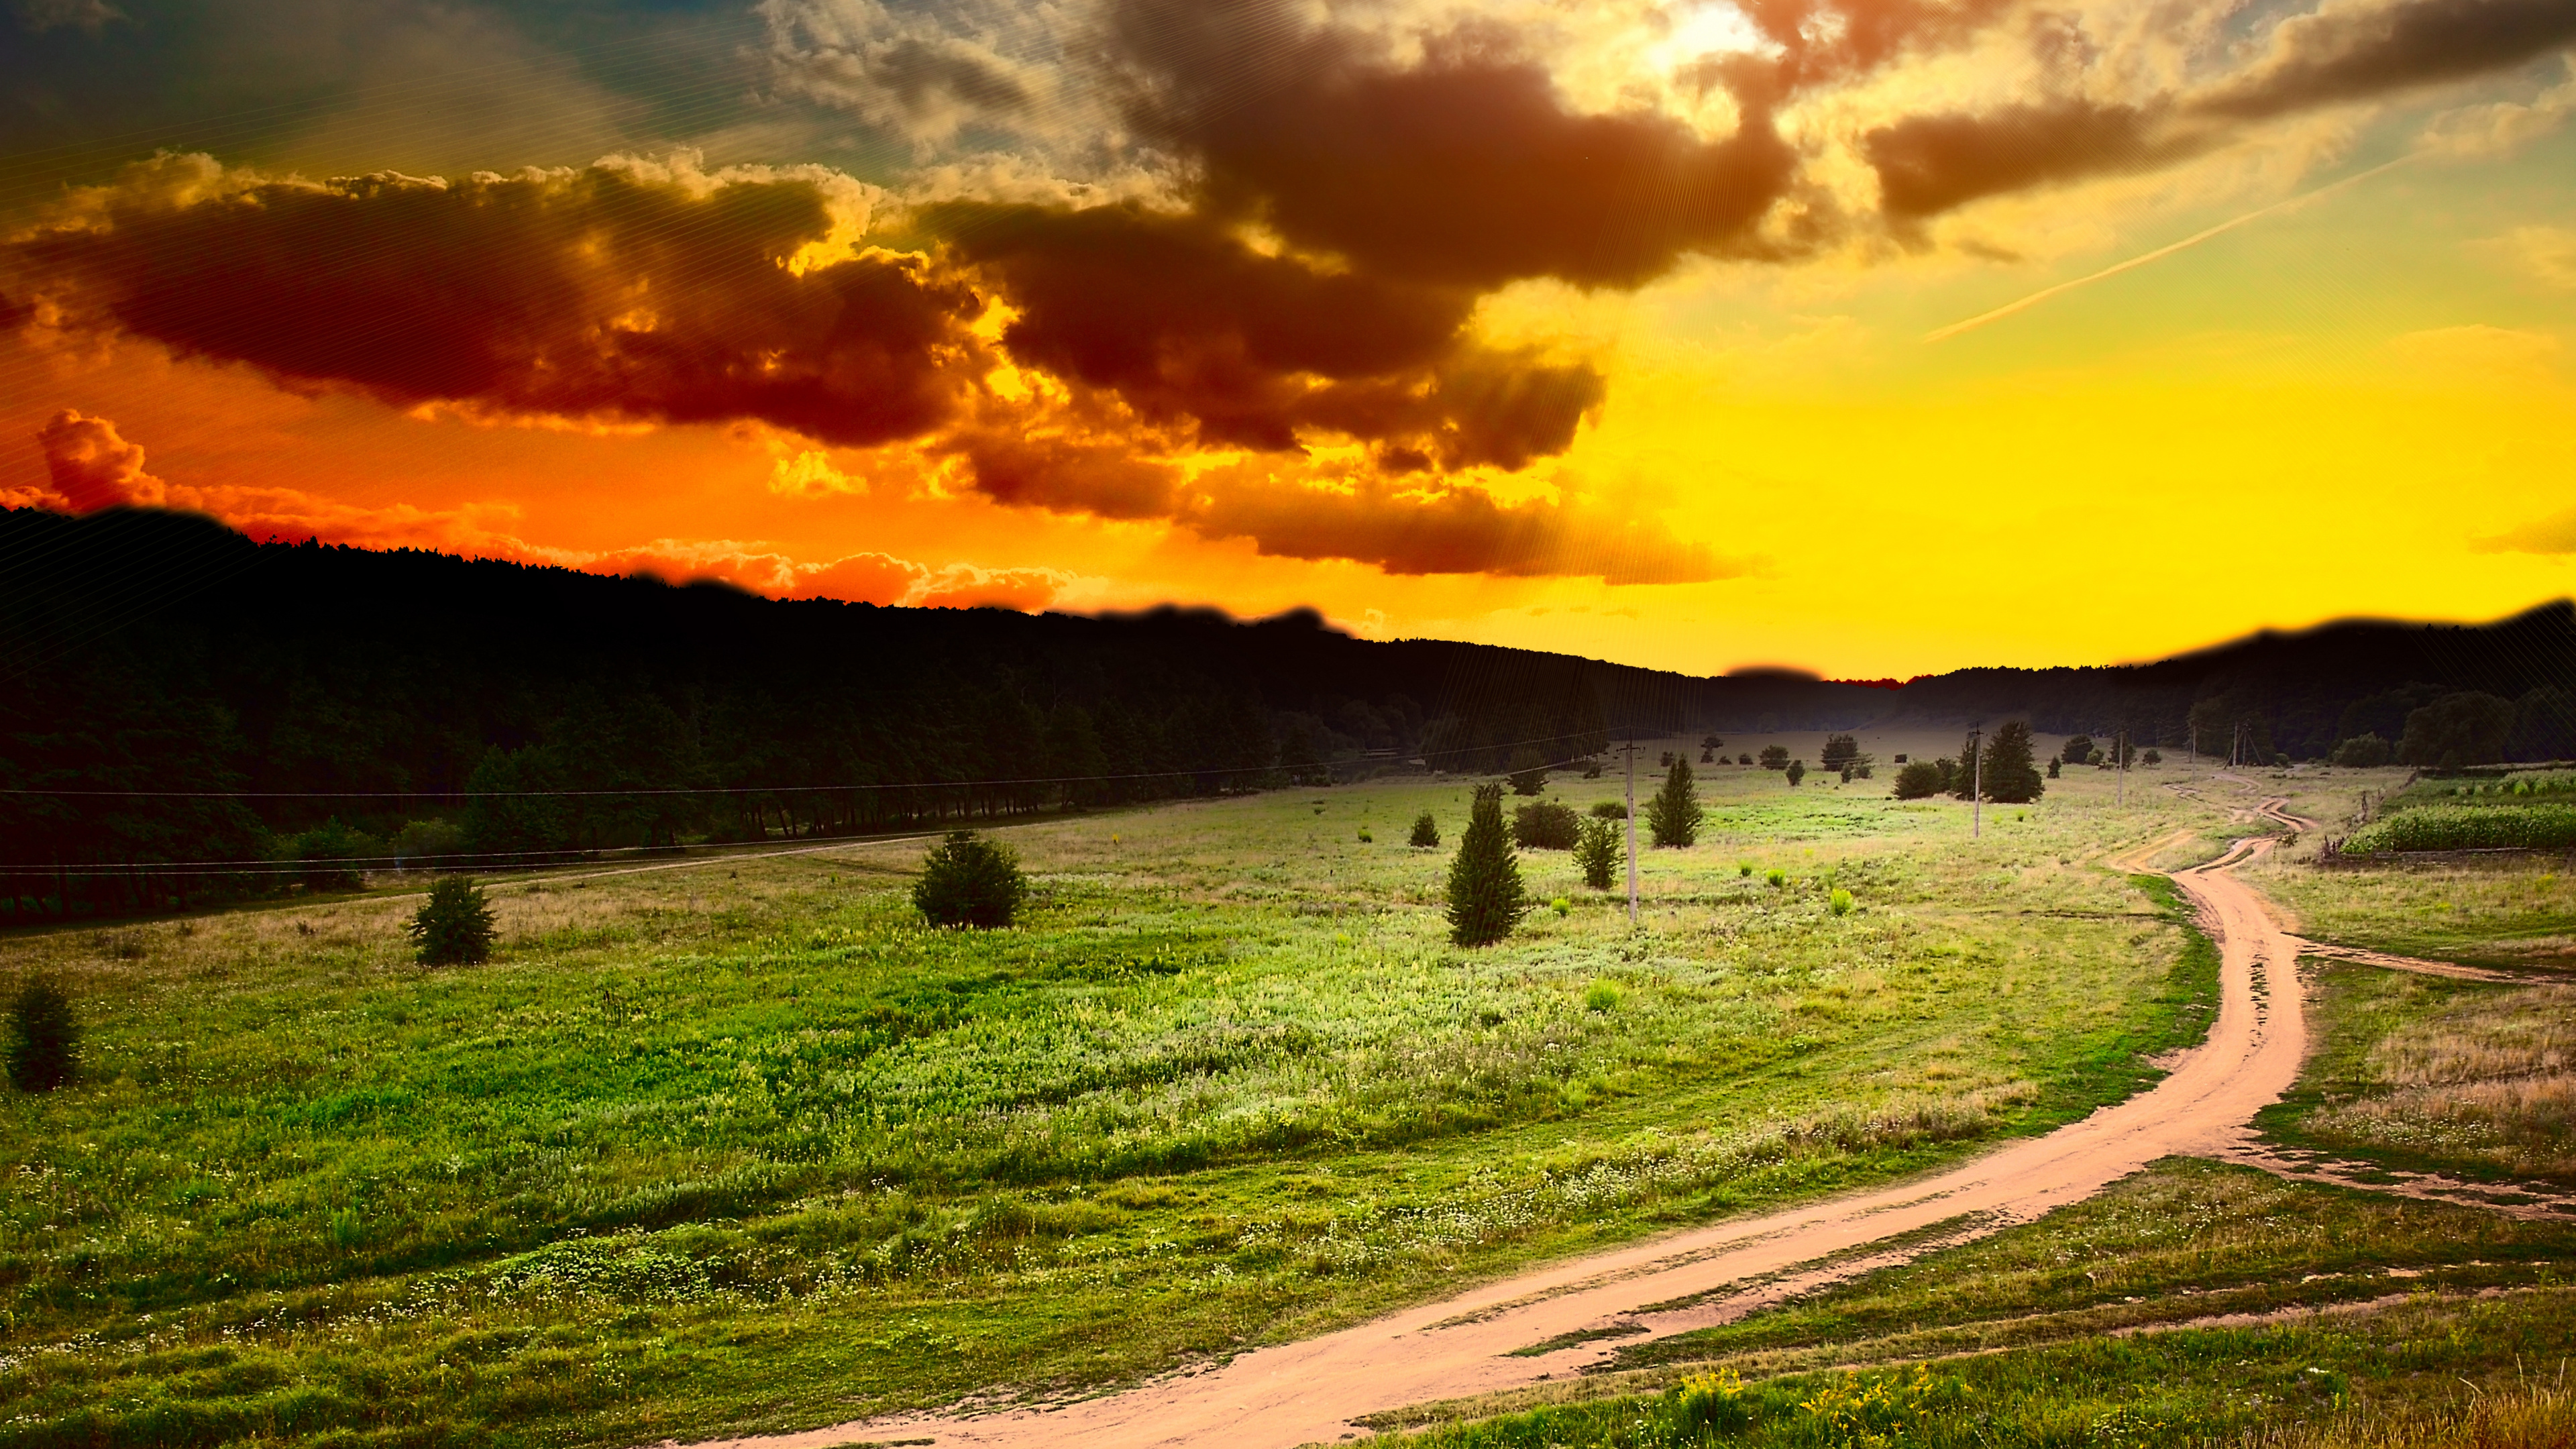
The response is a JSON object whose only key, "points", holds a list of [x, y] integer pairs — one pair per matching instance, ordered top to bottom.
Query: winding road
{"points": [[1310, 1392]]}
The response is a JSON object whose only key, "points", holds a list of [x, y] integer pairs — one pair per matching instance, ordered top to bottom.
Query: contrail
{"points": [[1943, 334]]}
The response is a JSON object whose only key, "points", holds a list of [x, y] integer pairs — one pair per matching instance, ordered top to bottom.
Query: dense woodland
{"points": [[184, 713]]}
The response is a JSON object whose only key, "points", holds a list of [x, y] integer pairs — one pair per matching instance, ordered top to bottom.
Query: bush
{"points": [[2079, 748], [1840, 750], [2361, 752], [1775, 757], [2151, 758], [1744, 759], [2052, 767], [1529, 771], [1797, 772], [2011, 778], [1920, 780], [1609, 809], [1674, 814], [1546, 825], [2547, 826], [1426, 832], [1365, 837], [421, 842], [327, 852], [1598, 852], [1743, 868], [1775, 877], [970, 882], [1486, 899], [1840, 902], [454, 927], [1601, 996], [44, 1040]]}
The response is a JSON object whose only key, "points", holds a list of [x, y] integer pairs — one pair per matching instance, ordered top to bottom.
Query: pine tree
{"points": [[1963, 777], [2011, 778], [1673, 815], [1426, 831], [1598, 852], [970, 882], [1486, 899], [454, 928], [44, 1041]]}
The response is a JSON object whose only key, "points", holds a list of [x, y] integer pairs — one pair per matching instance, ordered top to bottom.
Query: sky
{"points": [[1869, 337]]}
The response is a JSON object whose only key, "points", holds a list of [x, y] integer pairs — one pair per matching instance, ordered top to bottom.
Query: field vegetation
{"points": [[746, 1144]]}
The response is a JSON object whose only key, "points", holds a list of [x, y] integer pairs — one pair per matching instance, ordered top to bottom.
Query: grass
{"points": [[2515, 912], [744, 1146]]}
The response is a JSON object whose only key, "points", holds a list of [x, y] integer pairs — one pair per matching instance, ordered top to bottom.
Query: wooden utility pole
{"points": [[1976, 784], [1632, 832]]}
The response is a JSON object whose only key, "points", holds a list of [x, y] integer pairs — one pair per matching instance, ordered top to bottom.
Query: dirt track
{"points": [[1305, 1393]]}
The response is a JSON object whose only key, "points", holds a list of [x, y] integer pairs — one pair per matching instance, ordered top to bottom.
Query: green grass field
{"points": [[743, 1145]]}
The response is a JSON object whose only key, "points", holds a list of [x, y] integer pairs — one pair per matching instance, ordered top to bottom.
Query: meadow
{"points": [[742, 1144]]}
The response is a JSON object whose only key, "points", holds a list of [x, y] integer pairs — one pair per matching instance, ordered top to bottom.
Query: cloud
{"points": [[39, 16], [2348, 50], [1929, 164], [2546, 254], [618, 291], [1186, 321], [92, 468], [1441, 529], [2553, 534]]}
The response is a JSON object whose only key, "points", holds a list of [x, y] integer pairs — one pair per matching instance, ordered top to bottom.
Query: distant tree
{"points": [[2544, 725], [2463, 728], [1711, 742], [2078, 749], [1840, 750], [2362, 752], [1301, 756], [1708, 757], [1775, 757], [2151, 758], [1744, 759], [2097, 759], [1666, 762], [2052, 767], [1592, 769], [1948, 770], [1529, 771], [1797, 772], [1963, 776], [2011, 777], [1920, 780], [1609, 809], [1674, 814], [1546, 825], [1426, 832], [1598, 852], [331, 854], [970, 882], [1486, 899], [454, 927], [44, 1039]]}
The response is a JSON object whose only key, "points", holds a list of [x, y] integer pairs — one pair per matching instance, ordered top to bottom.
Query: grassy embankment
{"points": [[744, 1146]]}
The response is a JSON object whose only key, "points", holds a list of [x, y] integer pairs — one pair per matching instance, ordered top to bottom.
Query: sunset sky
{"points": [[1874, 337]]}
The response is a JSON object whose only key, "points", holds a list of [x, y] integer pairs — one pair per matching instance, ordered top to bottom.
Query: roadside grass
{"points": [[2512, 911], [2430, 1074], [744, 1146], [2168, 1309]]}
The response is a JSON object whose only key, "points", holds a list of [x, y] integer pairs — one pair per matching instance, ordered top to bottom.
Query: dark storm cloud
{"points": [[2353, 53], [1928, 164], [1465, 170], [602, 293], [1184, 320]]}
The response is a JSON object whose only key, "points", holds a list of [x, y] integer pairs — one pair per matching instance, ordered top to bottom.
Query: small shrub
{"points": [[1775, 757], [2152, 757], [1744, 759], [2052, 767], [1529, 771], [1797, 772], [1609, 809], [1546, 825], [1426, 832], [1365, 837], [422, 842], [1598, 852], [329, 853], [1744, 868], [1776, 877], [970, 882], [1840, 902], [1562, 907], [454, 927], [1601, 996], [44, 1040], [1719, 1401]]}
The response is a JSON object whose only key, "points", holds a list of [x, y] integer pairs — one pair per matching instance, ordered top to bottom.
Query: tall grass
{"points": [[2550, 826]]}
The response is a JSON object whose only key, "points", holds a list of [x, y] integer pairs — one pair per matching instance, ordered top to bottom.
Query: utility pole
{"points": [[1976, 784], [1632, 832]]}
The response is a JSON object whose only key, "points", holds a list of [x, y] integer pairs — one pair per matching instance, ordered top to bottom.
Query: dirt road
{"points": [[1305, 1393]]}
